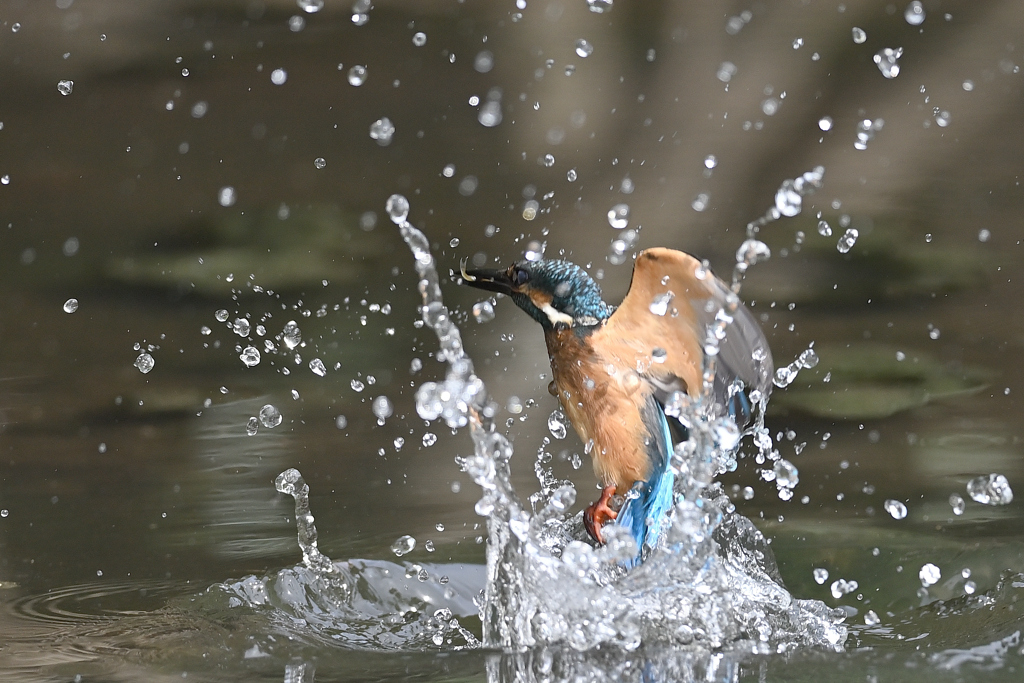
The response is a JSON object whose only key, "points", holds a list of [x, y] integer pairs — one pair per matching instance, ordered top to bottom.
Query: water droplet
{"points": [[311, 6], [600, 6], [914, 13], [296, 24], [15, 27], [859, 36], [419, 39], [798, 43], [583, 48], [887, 60], [483, 62], [726, 72], [357, 75], [278, 76], [968, 85], [65, 87], [490, 114], [942, 118], [825, 123], [382, 130], [866, 130], [548, 160], [710, 161], [319, 162], [571, 175], [5, 179], [468, 185], [227, 196], [788, 201], [700, 202], [397, 207], [618, 216], [824, 229], [984, 234], [847, 241], [752, 252], [660, 303], [71, 305], [483, 311], [241, 327], [291, 335], [250, 356], [808, 358], [144, 363], [318, 367], [784, 376], [357, 386], [382, 407], [270, 416], [556, 424], [252, 426], [429, 439], [786, 474], [990, 489], [957, 503], [895, 508], [5, 512], [403, 546], [929, 575], [820, 576], [841, 587], [871, 618]]}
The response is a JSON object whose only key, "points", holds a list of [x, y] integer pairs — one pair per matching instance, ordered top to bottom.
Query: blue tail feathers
{"points": [[645, 515]]}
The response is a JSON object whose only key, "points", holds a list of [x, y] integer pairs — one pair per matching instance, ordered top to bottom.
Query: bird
{"points": [[615, 369]]}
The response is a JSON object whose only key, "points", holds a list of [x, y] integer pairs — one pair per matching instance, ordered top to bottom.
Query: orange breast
{"points": [[602, 397]]}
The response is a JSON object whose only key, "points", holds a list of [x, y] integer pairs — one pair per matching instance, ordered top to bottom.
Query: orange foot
{"points": [[599, 513]]}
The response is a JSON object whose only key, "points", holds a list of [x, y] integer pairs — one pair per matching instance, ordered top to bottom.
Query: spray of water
{"points": [[713, 581]]}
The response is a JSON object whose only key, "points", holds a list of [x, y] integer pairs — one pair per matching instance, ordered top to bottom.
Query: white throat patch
{"points": [[556, 316]]}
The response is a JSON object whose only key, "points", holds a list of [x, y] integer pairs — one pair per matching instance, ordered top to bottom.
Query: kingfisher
{"points": [[615, 369]]}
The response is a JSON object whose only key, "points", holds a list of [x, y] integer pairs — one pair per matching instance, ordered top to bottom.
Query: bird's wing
{"points": [[662, 324]]}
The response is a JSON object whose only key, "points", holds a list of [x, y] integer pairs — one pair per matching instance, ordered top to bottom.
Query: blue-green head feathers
{"points": [[552, 292]]}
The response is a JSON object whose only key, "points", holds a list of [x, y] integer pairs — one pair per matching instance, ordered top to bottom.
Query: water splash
{"points": [[291, 482], [712, 581]]}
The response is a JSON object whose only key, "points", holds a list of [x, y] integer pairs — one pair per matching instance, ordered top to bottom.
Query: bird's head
{"points": [[555, 293]]}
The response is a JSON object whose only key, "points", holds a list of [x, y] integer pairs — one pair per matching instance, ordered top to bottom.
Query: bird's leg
{"points": [[599, 513]]}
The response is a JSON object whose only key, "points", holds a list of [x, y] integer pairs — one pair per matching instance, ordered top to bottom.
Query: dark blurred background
{"points": [[217, 156]]}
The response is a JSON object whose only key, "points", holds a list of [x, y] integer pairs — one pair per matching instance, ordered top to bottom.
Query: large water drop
{"points": [[914, 14], [887, 60], [357, 75], [382, 130], [397, 207], [618, 216], [144, 363], [270, 416], [990, 489], [403, 545]]}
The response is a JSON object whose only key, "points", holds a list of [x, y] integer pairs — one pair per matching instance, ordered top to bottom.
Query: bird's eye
{"points": [[519, 276]]}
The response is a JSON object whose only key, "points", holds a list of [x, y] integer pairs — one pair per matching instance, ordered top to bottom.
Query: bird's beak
{"points": [[490, 280]]}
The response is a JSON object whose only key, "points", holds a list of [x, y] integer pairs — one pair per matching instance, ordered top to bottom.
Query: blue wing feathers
{"points": [[644, 515]]}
